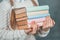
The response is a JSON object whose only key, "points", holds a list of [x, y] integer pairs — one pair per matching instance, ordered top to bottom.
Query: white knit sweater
{"points": [[5, 9]]}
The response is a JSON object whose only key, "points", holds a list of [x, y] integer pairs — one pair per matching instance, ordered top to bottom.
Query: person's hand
{"points": [[48, 23], [32, 29]]}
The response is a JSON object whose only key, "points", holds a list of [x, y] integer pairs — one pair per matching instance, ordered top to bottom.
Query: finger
{"points": [[33, 22], [53, 22], [47, 23], [44, 24], [34, 26], [38, 28], [27, 31], [34, 31]]}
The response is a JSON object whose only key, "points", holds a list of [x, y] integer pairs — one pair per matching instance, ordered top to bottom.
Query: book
{"points": [[37, 14], [20, 18]]}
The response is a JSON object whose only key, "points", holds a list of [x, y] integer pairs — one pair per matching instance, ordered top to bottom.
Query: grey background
{"points": [[55, 14]]}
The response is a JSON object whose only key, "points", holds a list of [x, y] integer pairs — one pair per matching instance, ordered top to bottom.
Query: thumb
{"points": [[28, 31]]}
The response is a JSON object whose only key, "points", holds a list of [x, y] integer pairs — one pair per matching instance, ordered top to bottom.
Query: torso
{"points": [[22, 3], [5, 10], [4, 14]]}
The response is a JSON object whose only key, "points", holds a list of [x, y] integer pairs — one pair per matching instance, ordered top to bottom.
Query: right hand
{"points": [[32, 29]]}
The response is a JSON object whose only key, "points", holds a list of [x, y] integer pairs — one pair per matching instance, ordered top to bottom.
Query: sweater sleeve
{"points": [[43, 33], [6, 34], [10, 35]]}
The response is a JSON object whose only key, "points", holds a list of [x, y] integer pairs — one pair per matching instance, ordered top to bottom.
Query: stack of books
{"points": [[37, 14], [24, 16], [21, 18]]}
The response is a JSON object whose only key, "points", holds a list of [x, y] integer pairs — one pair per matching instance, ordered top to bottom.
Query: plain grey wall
{"points": [[0, 0], [55, 14]]}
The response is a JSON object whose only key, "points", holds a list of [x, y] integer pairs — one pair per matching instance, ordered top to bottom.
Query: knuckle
{"points": [[34, 32]]}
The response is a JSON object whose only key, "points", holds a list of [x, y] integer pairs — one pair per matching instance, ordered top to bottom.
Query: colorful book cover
{"points": [[37, 14]]}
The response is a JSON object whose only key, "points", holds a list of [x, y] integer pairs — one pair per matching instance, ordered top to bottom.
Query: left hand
{"points": [[48, 23]]}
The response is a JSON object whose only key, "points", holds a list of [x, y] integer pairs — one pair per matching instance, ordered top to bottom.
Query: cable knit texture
{"points": [[5, 9]]}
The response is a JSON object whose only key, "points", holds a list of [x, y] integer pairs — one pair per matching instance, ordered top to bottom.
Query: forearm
{"points": [[36, 2]]}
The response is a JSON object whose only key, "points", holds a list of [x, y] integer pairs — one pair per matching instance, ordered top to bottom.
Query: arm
{"points": [[6, 33], [42, 33]]}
